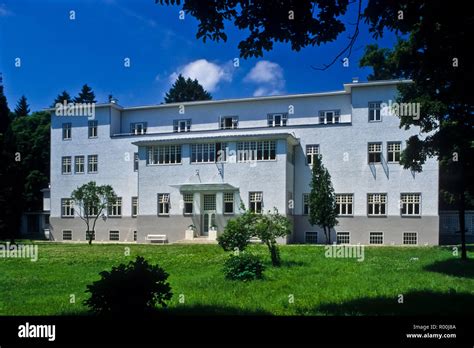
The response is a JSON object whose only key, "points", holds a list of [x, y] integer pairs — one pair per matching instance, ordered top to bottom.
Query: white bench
{"points": [[156, 237], [255, 240]]}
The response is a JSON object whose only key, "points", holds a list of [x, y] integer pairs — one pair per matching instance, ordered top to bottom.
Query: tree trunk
{"points": [[274, 254]]}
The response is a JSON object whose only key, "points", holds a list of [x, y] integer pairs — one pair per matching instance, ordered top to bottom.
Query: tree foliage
{"points": [[184, 90], [86, 95], [61, 98], [22, 108]]}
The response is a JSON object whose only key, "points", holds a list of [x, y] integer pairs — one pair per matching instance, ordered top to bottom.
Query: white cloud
{"points": [[4, 11], [207, 73], [268, 76]]}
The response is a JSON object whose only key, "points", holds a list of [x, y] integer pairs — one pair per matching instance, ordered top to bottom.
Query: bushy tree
{"points": [[184, 90], [238, 231], [243, 266]]}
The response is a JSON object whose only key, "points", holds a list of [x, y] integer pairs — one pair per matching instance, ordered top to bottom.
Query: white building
{"points": [[163, 162]]}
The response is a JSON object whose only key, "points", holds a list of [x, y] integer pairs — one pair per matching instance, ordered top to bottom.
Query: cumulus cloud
{"points": [[207, 73], [268, 76]]}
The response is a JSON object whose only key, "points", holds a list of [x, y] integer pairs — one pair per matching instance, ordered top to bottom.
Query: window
{"points": [[374, 112], [329, 116], [277, 120], [229, 122], [181, 126], [138, 128], [92, 129], [67, 134], [256, 150], [311, 152], [375, 152], [393, 152], [208, 153], [165, 154], [135, 161], [92, 163], [66, 165], [79, 165], [256, 201], [228, 202], [188, 203], [305, 203], [377, 203], [163, 204], [344, 204], [410, 204], [134, 206], [67, 207], [115, 209], [92, 211], [88, 233], [67, 235], [114, 235], [134, 236], [311, 237], [343, 237], [376, 238], [410, 238]]}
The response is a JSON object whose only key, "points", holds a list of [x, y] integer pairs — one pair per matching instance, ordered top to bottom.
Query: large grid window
{"points": [[374, 112], [329, 116], [277, 120], [229, 122], [182, 126], [138, 128], [92, 129], [67, 131], [256, 150], [311, 152], [375, 152], [393, 152], [208, 153], [166, 154], [135, 161], [92, 163], [79, 165], [66, 167], [256, 201], [228, 202], [188, 203], [305, 203], [163, 204], [344, 204], [377, 204], [410, 204], [134, 206], [67, 207], [115, 209], [92, 210], [67, 235], [114, 235], [311, 237], [343, 237], [376, 238], [410, 238]]}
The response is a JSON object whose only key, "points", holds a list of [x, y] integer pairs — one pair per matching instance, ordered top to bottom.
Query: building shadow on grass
{"points": [[453, 267], [414, 303]]}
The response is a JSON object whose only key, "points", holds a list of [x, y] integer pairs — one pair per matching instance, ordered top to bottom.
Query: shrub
{"points": [[238, 231], [243, 266], [135, 288]]}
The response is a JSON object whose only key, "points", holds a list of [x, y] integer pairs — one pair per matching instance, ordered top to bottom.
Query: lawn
{"points": [[431, 280]]}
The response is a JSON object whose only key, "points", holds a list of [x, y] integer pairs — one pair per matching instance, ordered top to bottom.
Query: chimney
{"points": [[355, 80]]}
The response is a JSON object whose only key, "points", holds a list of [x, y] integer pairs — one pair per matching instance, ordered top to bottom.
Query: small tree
{"points": [[184, 90], [322, 200], [90, 201], [238, 231]]}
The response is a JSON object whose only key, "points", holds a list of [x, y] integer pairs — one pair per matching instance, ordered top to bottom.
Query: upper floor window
{"points": [[374, 111], [329, 116], [277, 120], [229, 122], [181, 126], [138, 128], [92, 129], [67, 133], [256, 150], [311, 152], [375, 152], [393, 152], [208, 153], [164, 154], [135, 161], [92, 163], [79, 164], [66, 165], [228, 202], [256, 202], [305, 203], [163, 204], [344, 204], [377, 204], [410, 204], [67, 207], [115, 209]]}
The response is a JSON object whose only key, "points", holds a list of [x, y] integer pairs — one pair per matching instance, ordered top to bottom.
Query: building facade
{"points": [[176, 167]]}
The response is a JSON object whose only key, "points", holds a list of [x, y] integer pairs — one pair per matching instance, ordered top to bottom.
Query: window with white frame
{"points": [[374, 111], [329, 116], [277, 120], [229, 122], [182, 126], [138, 128], [92, 129], [67, 131], [256, 150], [312, 151], [375, 152], [393, 152], [208, 153], [164, 154], [135, 161], [92, 163], [66, 165], [79, 165], [228, 202], [256, 202], [188, 203], [305, 203], [410, 203], [163, 204], [344, 204], [376, 204], [134, 206], [67, 207], [115, 209], [92, 210], [90, 233], [67, 235], [114, 235], [311, 237], [343, 237], [376, 238], [410, 238]]}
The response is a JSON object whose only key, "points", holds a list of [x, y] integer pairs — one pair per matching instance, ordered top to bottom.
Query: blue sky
{"points": [[61, 54]]}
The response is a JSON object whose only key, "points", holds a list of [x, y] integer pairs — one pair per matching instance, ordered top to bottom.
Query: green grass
{"points": [[431, 280]]}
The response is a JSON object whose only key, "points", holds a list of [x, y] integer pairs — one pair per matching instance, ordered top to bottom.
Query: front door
{"points": [[209, 213]]}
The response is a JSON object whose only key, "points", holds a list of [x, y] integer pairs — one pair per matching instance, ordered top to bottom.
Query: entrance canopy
{"points": [[200, 187]]}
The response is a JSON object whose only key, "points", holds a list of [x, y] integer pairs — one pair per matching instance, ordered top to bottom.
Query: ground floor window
{"points": [[228, 202], [255, 202], [188, 203], [305, 203], [163, 204], [344, 204], [376, 204], [410, 204], [134, 206], [67, 207], [115, 209], [67, 235], [114, 235], [311, 237], [343, 237], [376, 238], [410, 238]]}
